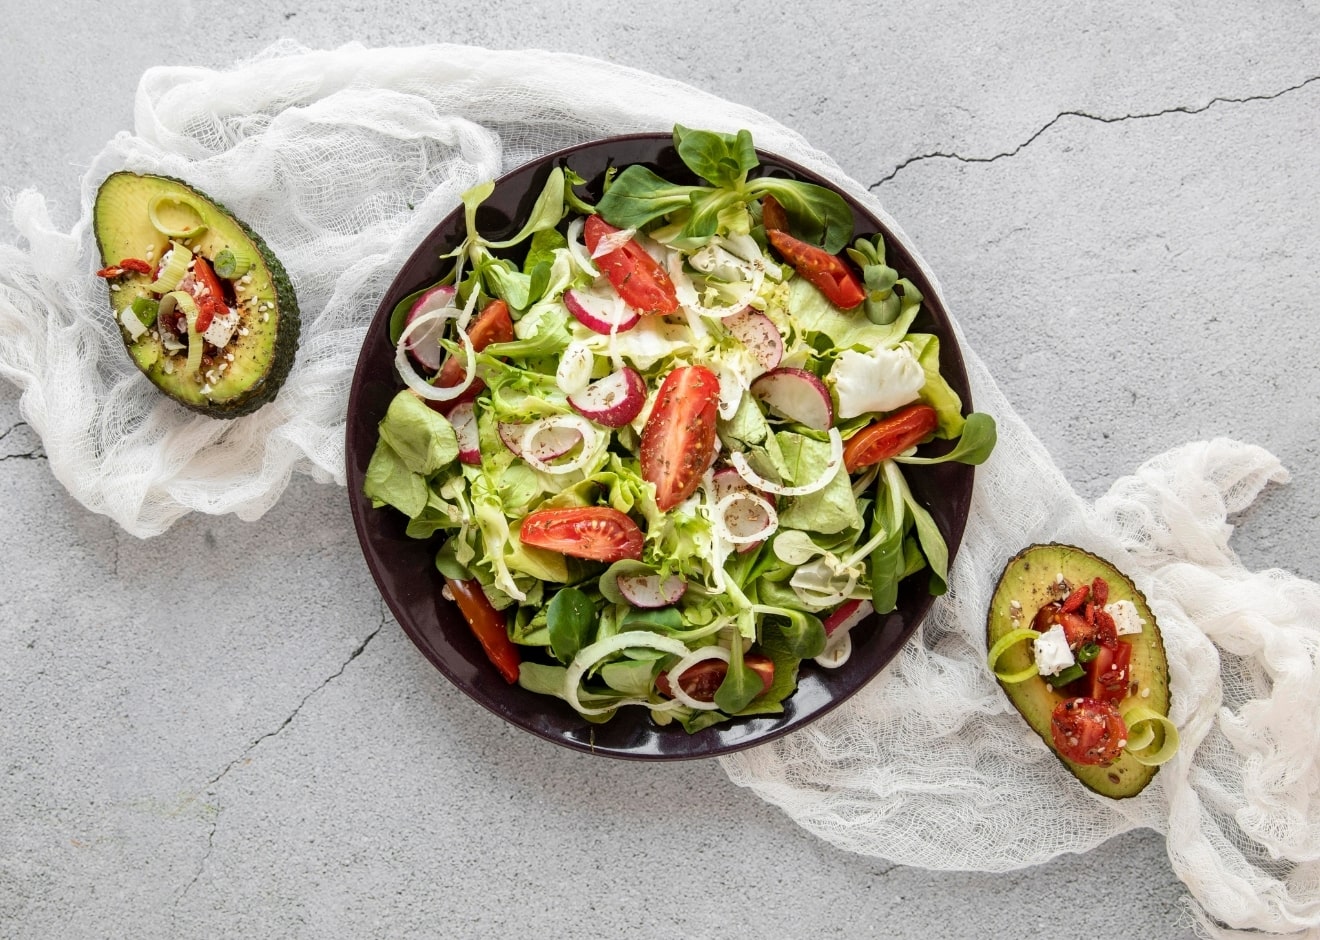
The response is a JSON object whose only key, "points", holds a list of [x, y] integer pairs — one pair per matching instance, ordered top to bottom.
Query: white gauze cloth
{"points": [[344, 160]]}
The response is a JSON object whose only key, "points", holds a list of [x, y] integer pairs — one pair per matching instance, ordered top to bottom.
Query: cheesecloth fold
{"points": [[343, 160]]}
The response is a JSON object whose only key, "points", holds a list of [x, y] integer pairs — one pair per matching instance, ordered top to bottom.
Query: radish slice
{"points": [[577, 250], [602, 311], [759, 335], [424, 345], [575, 365], [418, 384], [797, 395], [614, 400], [464, 420], [554, 430], [549, 443], [831, 467], [747, 519], [649, 592], [847, 616], [837, 651], [686, 663]]}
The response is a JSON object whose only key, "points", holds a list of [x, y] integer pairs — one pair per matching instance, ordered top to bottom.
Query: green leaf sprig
{"points": [[639, 197]]}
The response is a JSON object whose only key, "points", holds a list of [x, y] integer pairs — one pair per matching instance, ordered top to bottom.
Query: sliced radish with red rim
{"points": [[601, 310], [759, 335], [423, 344], [798, 395], [614, 400], [464, 419], [650, 591]]}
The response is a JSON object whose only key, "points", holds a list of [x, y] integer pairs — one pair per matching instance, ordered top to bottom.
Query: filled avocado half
{"points": [[205, 309], [1105, 714]]}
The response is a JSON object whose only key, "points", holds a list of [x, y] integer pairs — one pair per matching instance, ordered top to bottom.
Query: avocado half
{"points": [[257, 357], [1030, 581]]}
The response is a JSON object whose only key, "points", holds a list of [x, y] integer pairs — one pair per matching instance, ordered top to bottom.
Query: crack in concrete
{"points": [[1102, 119], [35, 454], [298, 708], [214, 781], [206, 857]]}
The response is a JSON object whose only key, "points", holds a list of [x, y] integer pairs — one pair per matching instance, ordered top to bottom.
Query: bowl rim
{"points": [[726, 737]]}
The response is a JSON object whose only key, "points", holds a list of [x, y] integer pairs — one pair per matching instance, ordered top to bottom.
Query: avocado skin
{"points": [[264, 386], [1027, 578]]}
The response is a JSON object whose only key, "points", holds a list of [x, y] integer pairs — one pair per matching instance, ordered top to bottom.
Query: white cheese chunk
{"points": [[221, 329], [881, 380], [1126, 619], [1052, 653]]}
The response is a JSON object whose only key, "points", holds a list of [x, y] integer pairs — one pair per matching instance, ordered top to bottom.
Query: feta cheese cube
{"points": [[881, 380], [1126, 619], [1052, 653]]}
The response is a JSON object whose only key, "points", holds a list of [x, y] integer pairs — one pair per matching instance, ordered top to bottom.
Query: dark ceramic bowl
{"points": [[404, 568]]}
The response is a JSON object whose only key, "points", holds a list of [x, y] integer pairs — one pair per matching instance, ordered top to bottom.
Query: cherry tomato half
{"points": [[828, 272], [639, 279], [208, 293], [492, 325], [890, 436], [678, 441], [597, 533], [488, 625], [1109, 673], [703, 680], [1087, 731]]}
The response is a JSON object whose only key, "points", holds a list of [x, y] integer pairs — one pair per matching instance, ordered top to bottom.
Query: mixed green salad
{"points": [[660, 439]]}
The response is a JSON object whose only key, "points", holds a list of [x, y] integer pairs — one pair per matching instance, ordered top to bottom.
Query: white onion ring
{"points": [[613, 241], [577, 250], [687, 292], [418, 384], [578, 423], [759, 482], [724, 505], [822, 601], [837, 651], [588, 656], [686, 663]]}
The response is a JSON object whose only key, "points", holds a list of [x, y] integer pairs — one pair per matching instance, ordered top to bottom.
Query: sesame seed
{"points": [[114, 287]]}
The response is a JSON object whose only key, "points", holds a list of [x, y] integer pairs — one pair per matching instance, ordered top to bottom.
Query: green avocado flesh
{"points": [[262, 347], [1031, 579]]}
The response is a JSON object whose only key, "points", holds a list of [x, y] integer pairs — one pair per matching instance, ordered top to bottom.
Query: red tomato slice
{"points": [[773, 216], [828, 272], [638, 278], [208, 293], [492, 325], [890, 436], [678, 441], [598, 533], [488, 625], [1109, 673], [703, 680], [1087, 731]]}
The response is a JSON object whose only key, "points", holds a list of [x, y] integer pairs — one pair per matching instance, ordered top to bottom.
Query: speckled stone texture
{"points": [[221, 732]]}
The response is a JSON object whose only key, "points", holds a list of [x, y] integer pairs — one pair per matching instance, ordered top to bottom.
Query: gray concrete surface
{"points": [[1124, 204]]}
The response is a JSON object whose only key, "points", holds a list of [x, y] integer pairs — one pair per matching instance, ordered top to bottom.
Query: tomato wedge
{"points": [[773, 216], [828, 272], [639, 279], [208, 293], [492, 325], [890, 436], [678, 441], [597, 533], [488, 625], [1109, 673], [703, 680], [1087, 731]]}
